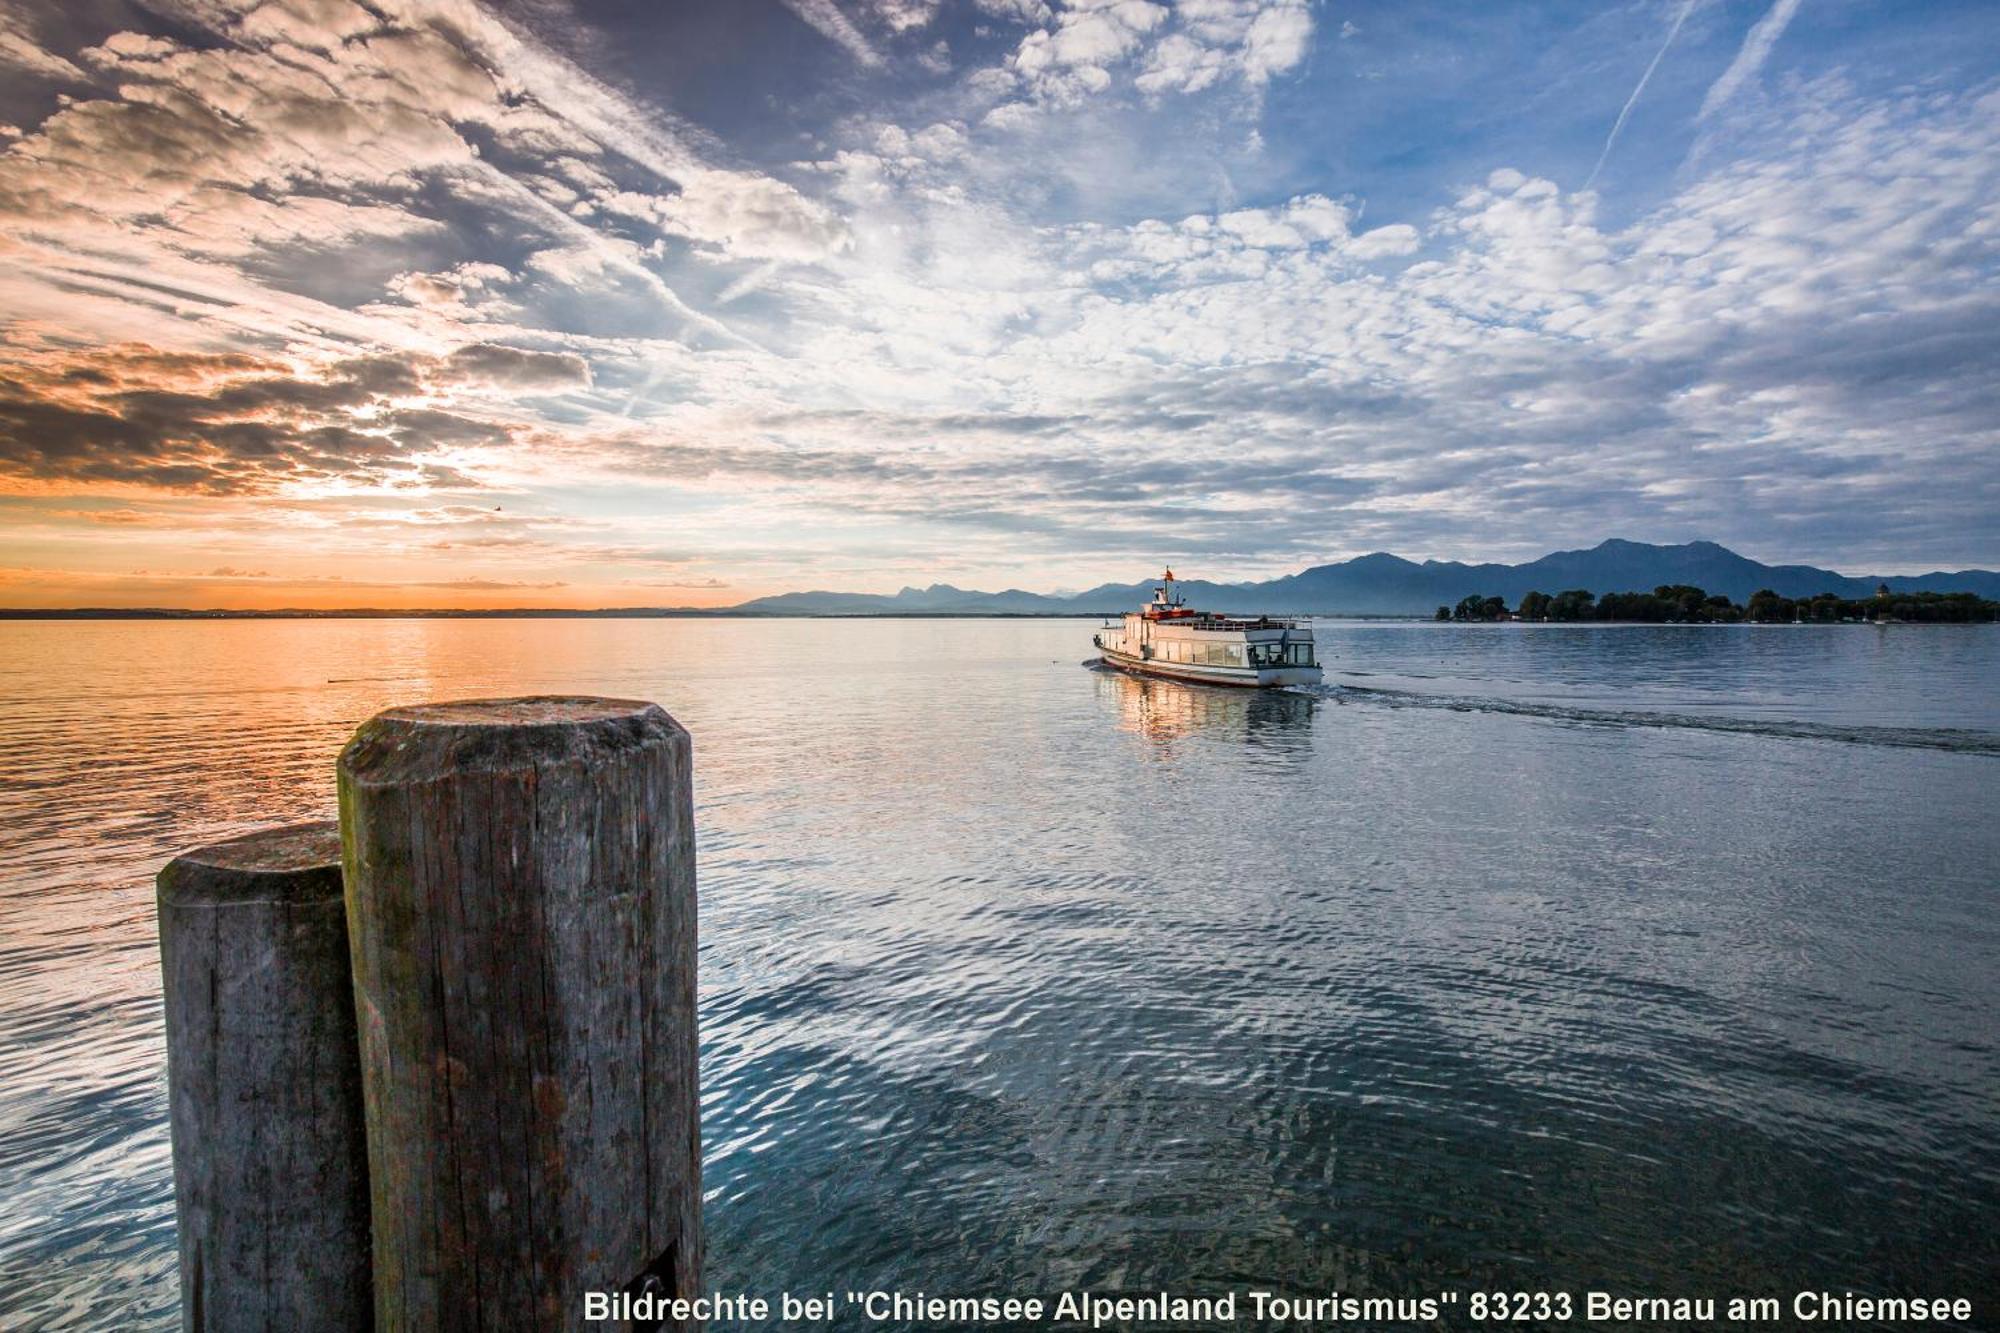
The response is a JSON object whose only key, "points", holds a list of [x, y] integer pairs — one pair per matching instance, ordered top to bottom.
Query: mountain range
{"points": [[1383, 584]]}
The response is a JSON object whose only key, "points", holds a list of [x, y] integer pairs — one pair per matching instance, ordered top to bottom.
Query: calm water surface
{"points": [[1660, 961]]}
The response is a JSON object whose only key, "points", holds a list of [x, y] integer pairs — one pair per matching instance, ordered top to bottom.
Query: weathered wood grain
{"points": [[521, 898], [264, 1086]]}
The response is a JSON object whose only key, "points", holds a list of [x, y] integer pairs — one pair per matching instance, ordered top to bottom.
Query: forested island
{"points": [[1680, 604]]}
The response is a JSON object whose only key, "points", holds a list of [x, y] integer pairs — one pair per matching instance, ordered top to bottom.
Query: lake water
{"points": [[1649, 960]]}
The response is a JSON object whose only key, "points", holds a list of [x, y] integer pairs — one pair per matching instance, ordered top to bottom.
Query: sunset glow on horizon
{"points": [[429, 303]]}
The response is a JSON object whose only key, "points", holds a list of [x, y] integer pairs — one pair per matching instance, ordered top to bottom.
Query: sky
{"points": [[318, 303]]}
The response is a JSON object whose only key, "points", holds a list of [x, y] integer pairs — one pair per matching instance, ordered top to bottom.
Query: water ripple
{"points": [[1959, 739]]}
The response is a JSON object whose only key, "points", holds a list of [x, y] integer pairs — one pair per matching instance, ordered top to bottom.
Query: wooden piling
{"points": [[521, 900], [264, 1085]]}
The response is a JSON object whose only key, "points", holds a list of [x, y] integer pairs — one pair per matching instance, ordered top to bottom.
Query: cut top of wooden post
{"points": [[423, 742], [295, 863]]}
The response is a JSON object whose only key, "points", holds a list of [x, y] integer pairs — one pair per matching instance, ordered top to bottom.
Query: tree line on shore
{"points": [[1680, 604]]}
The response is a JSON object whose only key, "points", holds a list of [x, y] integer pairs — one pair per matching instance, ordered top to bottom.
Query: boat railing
{"points": [[1239, 622]]}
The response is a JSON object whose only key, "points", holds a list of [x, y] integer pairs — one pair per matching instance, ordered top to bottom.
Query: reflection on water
{"points": [[1169, 710], [1017, 975]]}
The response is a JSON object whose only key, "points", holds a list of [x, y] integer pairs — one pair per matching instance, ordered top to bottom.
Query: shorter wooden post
{"points": [[264, 1086]]}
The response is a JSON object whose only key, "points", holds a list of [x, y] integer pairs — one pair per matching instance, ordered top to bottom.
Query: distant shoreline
{"points": [[1391, 587], [88, 613], [533, 613], [169, 614]]}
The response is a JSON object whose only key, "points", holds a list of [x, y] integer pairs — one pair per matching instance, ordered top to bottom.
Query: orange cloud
{"points": [[230, 423]]}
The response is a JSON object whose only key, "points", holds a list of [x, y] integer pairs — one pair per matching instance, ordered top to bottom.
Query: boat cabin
{"points": [[1166, 637]]}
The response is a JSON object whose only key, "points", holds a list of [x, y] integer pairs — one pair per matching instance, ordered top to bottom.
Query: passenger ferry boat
{"points": [[1167, 638]]}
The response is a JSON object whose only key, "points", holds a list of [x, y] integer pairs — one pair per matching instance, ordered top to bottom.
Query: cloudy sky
{"points": [[436, 302]]}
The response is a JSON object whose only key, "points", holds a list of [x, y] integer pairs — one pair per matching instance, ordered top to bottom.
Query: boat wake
{"points": [[1954, 739]]}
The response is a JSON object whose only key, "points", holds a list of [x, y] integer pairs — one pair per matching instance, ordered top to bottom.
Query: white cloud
{"points": [[1022, 11], [903, 15], [315, 25], [1277, 40], [1195, 46], [935, 59], [1072, 59], [1179, 63], [741, 216], [1299, 223], [234, 224], [1398, 238], [452, 289]]}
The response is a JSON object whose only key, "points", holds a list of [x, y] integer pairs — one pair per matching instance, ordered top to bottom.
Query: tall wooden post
{"points": [[521, 901], [264, 1085]]}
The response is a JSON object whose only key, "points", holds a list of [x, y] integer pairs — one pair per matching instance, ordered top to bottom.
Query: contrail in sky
{"points": [[1687, 7], [835, 27], [1756, 49]]}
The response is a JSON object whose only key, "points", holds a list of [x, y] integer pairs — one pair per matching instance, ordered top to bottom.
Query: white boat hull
{"points": [[1267, 677]]}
